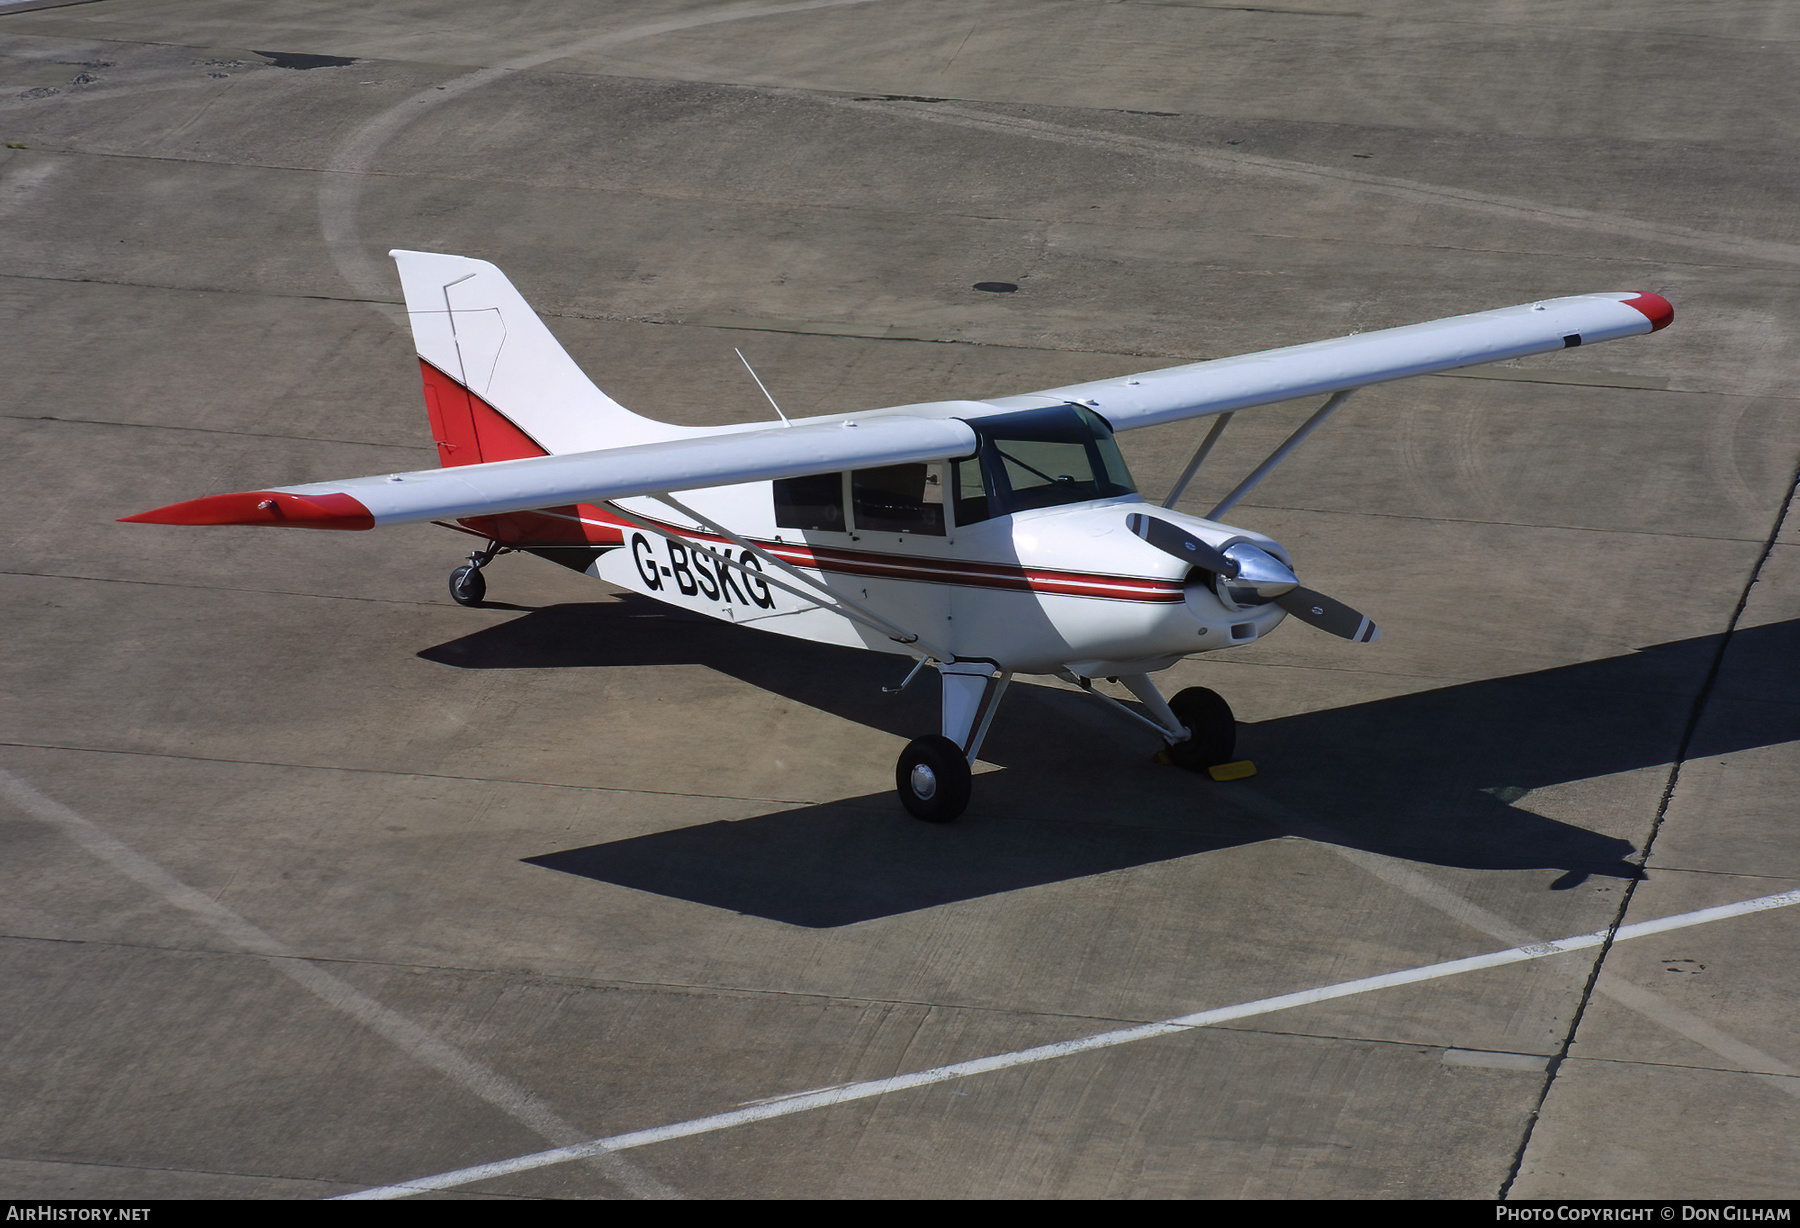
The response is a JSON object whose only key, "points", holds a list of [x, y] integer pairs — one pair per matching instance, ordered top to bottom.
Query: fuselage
{"points": [[1018, 555]]}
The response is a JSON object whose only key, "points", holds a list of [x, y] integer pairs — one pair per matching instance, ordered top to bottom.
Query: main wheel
{"points": [[467, 586], [1215, 730], [933, 779]]}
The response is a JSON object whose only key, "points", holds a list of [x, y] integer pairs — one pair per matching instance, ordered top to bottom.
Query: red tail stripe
{"points": [[467, 430]]}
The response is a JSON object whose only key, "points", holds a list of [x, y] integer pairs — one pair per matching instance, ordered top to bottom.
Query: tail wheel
{"points": [[467, 586], [1214, 727], [933, 779]]}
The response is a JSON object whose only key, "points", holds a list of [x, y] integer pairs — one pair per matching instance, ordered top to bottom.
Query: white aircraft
{"points": [[982, 538]]}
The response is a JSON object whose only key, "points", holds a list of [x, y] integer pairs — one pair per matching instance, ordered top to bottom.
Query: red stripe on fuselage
{"points": [[571, 525], [959, 572]]}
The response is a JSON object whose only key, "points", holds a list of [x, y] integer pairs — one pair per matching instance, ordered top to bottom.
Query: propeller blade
{"points": [[1180, 543], [1329, 615]]}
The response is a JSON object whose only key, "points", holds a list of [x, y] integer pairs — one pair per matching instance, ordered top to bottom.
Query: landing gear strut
{"points": [[467, 585], [1197, 724], [933, 776]]}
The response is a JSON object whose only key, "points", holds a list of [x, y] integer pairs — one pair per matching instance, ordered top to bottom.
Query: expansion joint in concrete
{"points": [[1695, 712]]}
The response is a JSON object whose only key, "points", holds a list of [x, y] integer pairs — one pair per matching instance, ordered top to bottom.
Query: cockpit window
{"points": [[1038, 458]]}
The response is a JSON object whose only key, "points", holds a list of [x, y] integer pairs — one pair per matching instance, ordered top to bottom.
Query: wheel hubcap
{"points": [[923, 781]]}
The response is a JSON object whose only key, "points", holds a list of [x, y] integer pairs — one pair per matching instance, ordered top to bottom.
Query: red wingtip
{"points": [[1657, 309], [263, 507]]}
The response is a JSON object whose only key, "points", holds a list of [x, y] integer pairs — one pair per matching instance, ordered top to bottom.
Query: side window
{"points": [[968, 493], [899, 499], [815, 501]]}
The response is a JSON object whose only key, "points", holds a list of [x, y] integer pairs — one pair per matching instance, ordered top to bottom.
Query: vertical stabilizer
{"points": [[498, 385]]}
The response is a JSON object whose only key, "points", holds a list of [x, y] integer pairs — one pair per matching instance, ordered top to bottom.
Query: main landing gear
{"points": [[467, 585], [933, 775], [933, 778]]}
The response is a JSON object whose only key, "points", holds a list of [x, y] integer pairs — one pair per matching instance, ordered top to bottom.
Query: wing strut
{"points": [[1200, 455], [1274, 458], [837, 604]]}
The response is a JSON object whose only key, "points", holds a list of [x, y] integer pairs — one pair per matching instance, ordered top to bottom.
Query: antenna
{"points": [[759, 384]]}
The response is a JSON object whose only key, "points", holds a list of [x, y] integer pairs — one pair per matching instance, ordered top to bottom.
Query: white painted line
{"points": [[1771, 1070], [480, 1080], [825, 1097]]}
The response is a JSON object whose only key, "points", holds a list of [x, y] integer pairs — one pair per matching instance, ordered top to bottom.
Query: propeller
{"points": [[1172, 539], [1253, 575], [1330, 615]]}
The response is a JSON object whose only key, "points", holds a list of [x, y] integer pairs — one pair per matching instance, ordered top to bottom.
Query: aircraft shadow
{"points": [[1436, 777]]}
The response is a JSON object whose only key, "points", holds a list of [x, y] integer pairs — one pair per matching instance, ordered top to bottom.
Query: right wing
{"points": [[1319, 367], [723, 459]]}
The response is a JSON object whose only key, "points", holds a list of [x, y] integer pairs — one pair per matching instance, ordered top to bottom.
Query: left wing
{"points": [[1226, 384], [724, 459]]}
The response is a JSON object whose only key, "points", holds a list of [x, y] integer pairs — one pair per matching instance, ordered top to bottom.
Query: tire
{"points": [[467, 586], [1214, 727], [933, 779]]}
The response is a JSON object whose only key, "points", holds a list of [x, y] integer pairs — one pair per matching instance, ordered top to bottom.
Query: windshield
{"points": [[1038, 458]]}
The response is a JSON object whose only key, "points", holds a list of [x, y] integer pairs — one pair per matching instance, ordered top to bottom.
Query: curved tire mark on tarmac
{"points": [[340, 195], [340, 198], [1510, 208]]}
